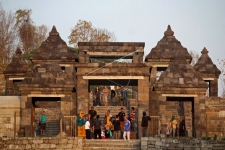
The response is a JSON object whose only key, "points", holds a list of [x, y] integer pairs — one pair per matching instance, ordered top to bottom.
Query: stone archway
{"points": [[182, 106], [52, 108]]}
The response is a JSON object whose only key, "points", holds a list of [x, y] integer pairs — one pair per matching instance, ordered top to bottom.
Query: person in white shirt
{"points": [[87, 128]]}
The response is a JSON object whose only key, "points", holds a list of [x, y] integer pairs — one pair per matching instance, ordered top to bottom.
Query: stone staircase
{"points": [[114, 110], [109, 144]]}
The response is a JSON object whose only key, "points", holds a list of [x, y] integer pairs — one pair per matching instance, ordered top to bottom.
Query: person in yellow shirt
{"points": [[173, 122], [108, 124]]}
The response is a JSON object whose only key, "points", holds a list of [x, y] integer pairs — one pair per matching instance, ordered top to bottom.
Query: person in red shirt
{"points": [[133, 120]]}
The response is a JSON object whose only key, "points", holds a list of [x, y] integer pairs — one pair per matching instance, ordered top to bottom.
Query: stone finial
{"points": [[169, 31], [54, 32], [18, 51], [204, 51]]}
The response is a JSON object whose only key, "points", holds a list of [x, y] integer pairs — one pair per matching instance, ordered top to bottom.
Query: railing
{"points": [[8, 125], [68, 126], [154, 126]]}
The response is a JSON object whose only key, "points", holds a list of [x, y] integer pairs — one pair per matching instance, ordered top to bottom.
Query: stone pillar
{"points": [[153, 76], [213, 91], [82, 95], [143, 100], [67, 104], [26, 105], [202, 115], [199, 116], [188, 117]]}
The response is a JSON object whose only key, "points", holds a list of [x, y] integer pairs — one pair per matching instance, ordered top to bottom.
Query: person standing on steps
{"points": [[105, 92], [97, 95], [118, 95], [124, 96], [91, 98], [91, 115], [121, 115], [43, 120], [133, 120], [107, 124], [116, 124], [144, 124], [80, 125], [97, 126], [87, 128], [126, 132]]}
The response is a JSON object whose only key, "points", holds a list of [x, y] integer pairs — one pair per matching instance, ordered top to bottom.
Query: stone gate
{"points": [[162, 80]]}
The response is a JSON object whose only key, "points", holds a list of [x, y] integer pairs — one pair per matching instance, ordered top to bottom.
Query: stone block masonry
{"points": [[50, 143], [161, 143]]}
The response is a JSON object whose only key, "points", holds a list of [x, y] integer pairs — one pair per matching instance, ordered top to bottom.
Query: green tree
{"points": [[84, 31]]}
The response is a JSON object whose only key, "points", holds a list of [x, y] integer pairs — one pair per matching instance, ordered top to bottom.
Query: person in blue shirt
{"points": [[124, 96], [43, 120], [126, 129]]}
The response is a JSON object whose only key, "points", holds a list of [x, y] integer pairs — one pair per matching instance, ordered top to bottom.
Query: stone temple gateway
{"points": [[164, 81]]}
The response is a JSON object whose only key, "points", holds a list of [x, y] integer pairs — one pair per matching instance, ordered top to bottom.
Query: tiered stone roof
{"points": [[53, 48], [167, 48], [18, 65], [206, 67], [181, 76]]}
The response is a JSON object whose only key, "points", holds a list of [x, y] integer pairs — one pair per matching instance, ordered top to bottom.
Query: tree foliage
{"points": [[26, 29], [84, 31], [40, 35], [30, 36], [7, 37], [195, 56], [222, 75]]}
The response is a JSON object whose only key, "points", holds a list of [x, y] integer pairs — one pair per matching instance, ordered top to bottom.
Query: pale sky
{"points": [[196, 23]]}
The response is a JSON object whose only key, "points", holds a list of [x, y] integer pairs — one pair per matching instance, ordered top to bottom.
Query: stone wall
{"points": [[10, 115], [215, 116], [160, 142], [49, 143]]}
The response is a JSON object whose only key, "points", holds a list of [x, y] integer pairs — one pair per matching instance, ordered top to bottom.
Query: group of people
{"points": [[116, 95], [114, 126], [117, 127], [173, 129]]}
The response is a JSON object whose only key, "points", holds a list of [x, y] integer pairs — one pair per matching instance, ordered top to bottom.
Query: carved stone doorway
{"points": [[182, 106], [52, 108]]}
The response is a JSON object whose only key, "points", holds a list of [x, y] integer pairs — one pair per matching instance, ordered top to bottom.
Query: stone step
{"points": [[114, 110], [110, 144], [110, 148]]}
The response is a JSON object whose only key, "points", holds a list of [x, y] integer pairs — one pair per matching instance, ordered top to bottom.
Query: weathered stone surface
{"points": [[53, 48], [167, 48], [206, 67]]}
